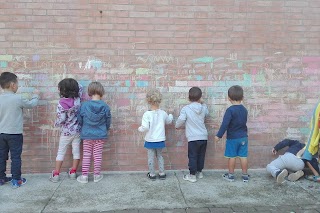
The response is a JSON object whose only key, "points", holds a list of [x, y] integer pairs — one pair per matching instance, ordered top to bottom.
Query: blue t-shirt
{"points": [[234, 122]]}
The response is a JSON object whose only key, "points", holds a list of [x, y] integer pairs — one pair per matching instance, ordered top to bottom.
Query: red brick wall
{"points": [[271, 48]]}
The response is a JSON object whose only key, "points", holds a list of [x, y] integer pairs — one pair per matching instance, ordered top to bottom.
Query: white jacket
{"points": [[153, 122]]}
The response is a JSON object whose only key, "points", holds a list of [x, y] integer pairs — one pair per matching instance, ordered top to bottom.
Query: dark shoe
{"points": [[151, 177], [162, 177], [228, 177], [245, 178], [5, 180], [17, 183]]}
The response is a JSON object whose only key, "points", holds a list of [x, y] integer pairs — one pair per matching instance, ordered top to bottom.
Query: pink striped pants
{"points": [[95, 148]]}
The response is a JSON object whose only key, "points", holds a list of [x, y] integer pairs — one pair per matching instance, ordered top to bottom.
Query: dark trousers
{"points": [[12, 143], [196, 155], [314, 163]]}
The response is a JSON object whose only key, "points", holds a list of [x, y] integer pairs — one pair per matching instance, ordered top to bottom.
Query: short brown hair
{"points": [[6, 78], [95, 88], [235, 93], [195, 94], [154, 97]]}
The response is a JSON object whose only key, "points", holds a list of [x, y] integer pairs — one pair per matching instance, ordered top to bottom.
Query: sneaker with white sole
{"points": [[199, 175], [72, 176], [281, 176], [295, 176], [190, 177], [228, 177], [54, 178], [97, 178], [245, 178], [82, 179], [17, 183]]}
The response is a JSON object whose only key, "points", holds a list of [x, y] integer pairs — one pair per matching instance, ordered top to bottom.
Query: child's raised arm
{"points": [[28, 104], [169, 119], [181, 119]]}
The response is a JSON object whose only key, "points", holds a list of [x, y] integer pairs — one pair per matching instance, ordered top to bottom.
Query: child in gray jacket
{"points": [[193, 116]]}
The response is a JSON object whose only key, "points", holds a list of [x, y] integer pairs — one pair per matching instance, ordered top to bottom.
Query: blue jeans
{"points": [[12, 143], [196, 155]]}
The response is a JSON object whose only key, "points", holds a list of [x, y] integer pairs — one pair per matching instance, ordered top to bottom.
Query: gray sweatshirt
{"points": [[11, 116], [193, 116]]}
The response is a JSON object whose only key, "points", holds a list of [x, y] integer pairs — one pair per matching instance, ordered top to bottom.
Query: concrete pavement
{"points": [[133, 192]]}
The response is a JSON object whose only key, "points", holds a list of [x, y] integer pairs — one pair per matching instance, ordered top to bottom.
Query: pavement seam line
{"points": [[307, 191], [52, 195], [185, 201]]}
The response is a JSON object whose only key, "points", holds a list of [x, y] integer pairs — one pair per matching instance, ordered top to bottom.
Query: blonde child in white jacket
{"points": [[153, 123]]}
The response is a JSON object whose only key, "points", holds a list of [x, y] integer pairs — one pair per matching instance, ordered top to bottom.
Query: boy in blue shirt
{"points": [[235, 123], [11, 127]]}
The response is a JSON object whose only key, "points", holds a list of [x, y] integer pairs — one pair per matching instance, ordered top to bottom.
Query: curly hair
{"points": [[68, 88], [154, 97]]}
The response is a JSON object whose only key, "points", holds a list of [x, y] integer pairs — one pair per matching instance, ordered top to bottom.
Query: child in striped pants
{"points": [[95, 119]]}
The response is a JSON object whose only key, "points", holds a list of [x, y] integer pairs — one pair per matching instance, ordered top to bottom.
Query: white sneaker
{"points": [[199, 175], [282, 175], [72, 176], [295, 176], [189, 177], [97, 178], [54, 179], [82, 179]]}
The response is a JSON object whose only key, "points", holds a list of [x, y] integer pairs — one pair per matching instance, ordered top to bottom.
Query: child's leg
{"points": [[64, 141], [15, 143], [4, 150], [193, 150], [75, 152], [87, 152], [231, 153], [243, 154], [151, 155], [201, 155], [97, 156], [160, 161], [231, 165], [244, 165], [58, 166], [275, 166], [313, 166]]}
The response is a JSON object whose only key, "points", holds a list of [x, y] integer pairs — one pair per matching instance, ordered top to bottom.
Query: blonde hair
{"points": [[95, 88], [154, 97]]}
